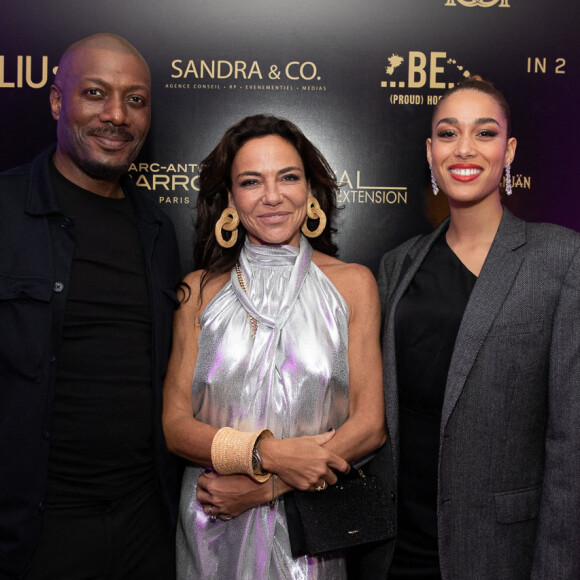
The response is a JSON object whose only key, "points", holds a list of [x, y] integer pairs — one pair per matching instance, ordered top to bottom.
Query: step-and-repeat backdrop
{"points": [[359, 77]]}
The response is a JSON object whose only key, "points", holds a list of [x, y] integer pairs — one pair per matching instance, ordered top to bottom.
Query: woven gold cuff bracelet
{"points": [[232, 450]]}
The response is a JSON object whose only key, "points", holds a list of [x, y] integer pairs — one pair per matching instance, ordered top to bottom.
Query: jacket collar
{"points": [[42, 199], [411, 263], [489, 293]]}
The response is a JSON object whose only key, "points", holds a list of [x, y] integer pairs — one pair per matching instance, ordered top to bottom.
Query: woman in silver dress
{"points": [[275, 379]]}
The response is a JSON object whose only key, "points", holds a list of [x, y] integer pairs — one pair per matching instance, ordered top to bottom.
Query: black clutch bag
{"points": [[355, 511]]}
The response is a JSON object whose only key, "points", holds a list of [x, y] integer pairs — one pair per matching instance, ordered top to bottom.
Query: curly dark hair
{"points": [[476, 83], [215, 182]]}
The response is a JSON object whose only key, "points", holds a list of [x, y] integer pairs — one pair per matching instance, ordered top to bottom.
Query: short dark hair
{"points": [[476, 83], [215, 182]]}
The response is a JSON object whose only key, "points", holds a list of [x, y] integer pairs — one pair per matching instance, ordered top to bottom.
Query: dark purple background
{"points": [[350, 117]]}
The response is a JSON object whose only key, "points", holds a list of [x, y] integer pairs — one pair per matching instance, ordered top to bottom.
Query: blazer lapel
{"points": [[410, 265], [488, 295]]}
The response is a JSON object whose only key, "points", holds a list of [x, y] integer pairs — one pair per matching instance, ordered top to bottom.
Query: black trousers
{"points": [[125, 539]]}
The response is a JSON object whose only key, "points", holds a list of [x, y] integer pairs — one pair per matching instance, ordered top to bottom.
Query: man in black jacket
{"points": [[88, 268]]}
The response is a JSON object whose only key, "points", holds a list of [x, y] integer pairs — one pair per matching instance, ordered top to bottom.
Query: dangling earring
{"points": [[508, 179], [433, 181], [314, 211], [228, 221]]}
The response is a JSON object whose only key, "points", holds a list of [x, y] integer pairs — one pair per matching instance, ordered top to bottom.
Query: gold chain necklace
{"points": [[253, 321]]}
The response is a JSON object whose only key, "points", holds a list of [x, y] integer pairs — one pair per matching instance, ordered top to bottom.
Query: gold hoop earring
{"points": [[313, 211], [228, 221]]}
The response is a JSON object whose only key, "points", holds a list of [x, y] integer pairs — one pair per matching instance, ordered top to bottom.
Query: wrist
{"points": [[267, 454], [257, 466]]}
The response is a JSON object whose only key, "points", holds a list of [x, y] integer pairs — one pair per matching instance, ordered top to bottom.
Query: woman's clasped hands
{"points": [[302, 463]]}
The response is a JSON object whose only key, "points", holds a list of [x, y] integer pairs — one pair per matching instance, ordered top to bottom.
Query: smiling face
{"points": [[101, 101], [469, 147], [269, 190]]}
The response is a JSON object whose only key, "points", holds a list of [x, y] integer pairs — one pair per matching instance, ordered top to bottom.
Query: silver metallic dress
{"points": [[292, 378]]}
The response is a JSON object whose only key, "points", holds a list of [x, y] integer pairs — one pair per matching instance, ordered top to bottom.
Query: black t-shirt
{"points": [[427, 320], [101, 431]]}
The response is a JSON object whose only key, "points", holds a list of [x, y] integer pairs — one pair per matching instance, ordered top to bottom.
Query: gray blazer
{"points": [[509, 452]]}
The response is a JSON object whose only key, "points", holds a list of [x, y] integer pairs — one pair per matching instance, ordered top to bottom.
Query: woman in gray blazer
{"points": [[482, 371]]}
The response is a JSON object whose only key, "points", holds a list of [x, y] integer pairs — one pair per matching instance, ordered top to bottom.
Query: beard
{"points": [[101, 171]]}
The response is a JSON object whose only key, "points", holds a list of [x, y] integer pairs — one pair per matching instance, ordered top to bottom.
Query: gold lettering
{"points": [[221, 64], [417, 64], [175, 65], [191, 69], [240, 69], [255, 70], [210, 71], [29, 80], [3, 83], [433, 84], [344, 178], [161, 180], [141, 181]]}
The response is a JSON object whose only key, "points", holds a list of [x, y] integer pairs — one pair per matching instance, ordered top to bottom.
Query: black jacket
{"points": [[36, 250]]}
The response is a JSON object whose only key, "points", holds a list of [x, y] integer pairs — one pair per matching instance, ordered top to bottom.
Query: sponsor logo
{"points": [[479, 3], [543, 65], [24, 71], [241, 75], [412, 77], [519, 181], [174, 183], [354, 190]]}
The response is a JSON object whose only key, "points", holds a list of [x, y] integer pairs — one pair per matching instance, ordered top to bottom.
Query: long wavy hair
{"points": [[215, 182]]}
